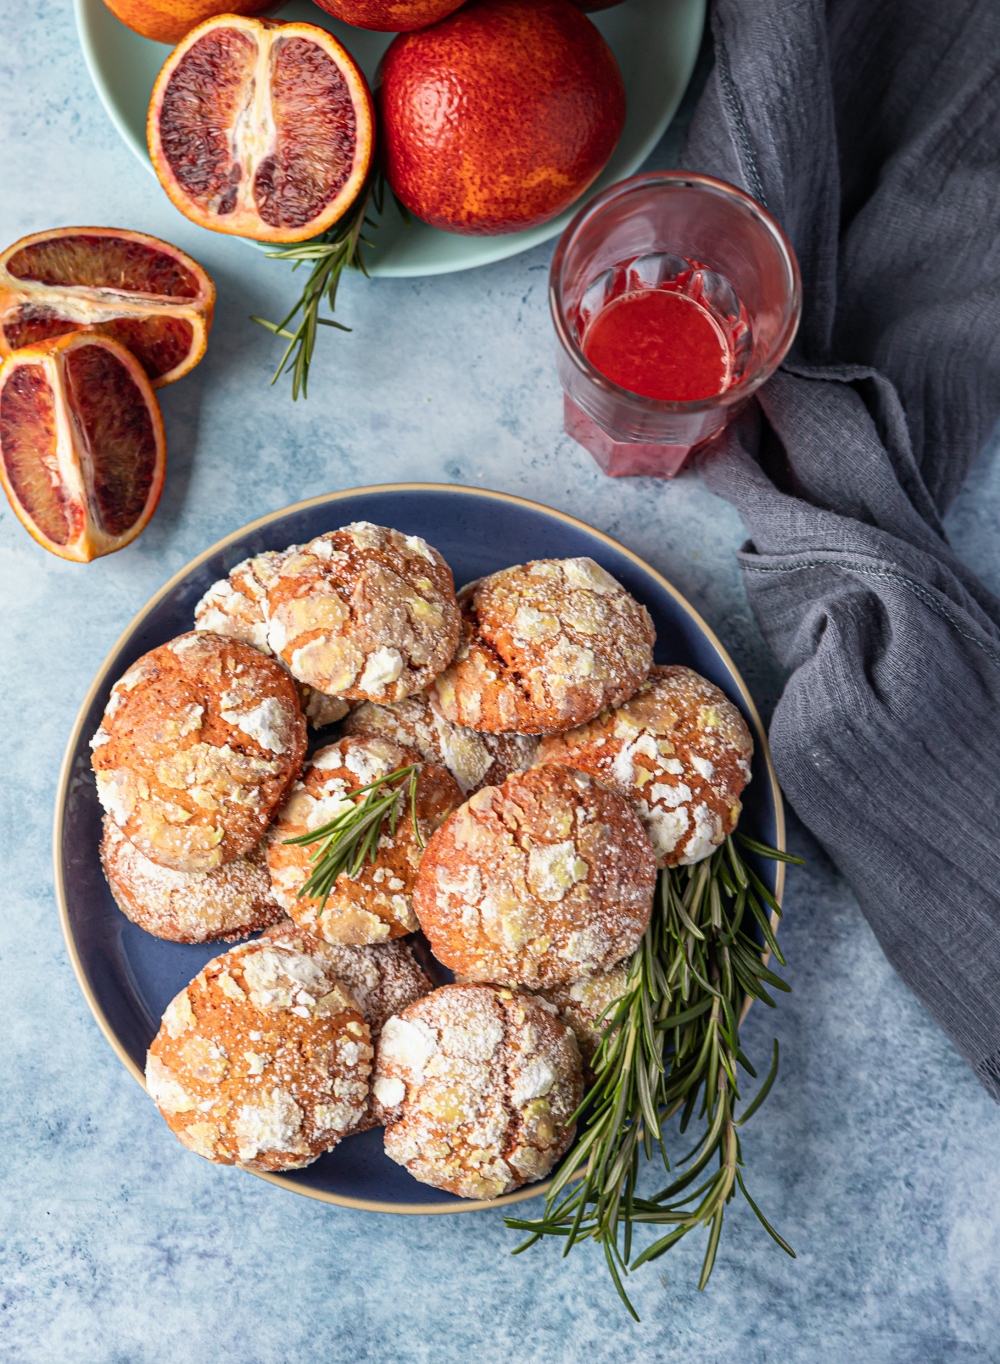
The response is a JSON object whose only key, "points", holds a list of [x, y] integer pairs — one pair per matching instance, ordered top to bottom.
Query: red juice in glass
{"points": [[674, 297], [666, 328], [660, 344]]}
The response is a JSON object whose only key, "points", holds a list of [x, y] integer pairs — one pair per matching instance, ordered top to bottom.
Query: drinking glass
{"points": [[675, 230]]}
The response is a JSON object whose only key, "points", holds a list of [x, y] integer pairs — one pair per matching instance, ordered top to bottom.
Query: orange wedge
{"points": [[261, 129], [140, 291], [82, 450]]}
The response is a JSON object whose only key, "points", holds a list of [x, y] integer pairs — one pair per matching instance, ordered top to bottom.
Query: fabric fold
{"points": [[873, 134]]}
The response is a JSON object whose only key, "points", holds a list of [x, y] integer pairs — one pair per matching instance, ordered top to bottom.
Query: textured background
{"points": [[876, 1153]]}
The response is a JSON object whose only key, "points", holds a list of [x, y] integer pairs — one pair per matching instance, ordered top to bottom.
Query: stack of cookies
{"points": [[555, 769]]}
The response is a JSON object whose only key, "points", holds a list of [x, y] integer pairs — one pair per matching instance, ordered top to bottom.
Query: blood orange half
{"points": [[261, 129], [140, 291], [82, 450]]}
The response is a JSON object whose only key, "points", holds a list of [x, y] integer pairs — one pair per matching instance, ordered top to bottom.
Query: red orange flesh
{"points": [[390, 16], [499, 116], [261, 129], [142, 292], [82, 448]]}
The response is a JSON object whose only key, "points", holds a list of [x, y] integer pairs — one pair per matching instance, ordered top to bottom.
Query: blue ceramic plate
{"points": [[656, 43], [129, 977]]}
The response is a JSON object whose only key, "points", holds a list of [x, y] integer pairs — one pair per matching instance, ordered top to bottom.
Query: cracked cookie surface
{"points": [[236, 606], [364, 613], [545, 646], [199, 744], [680, 750], [474, 759], [538, 881], [378, 904], [201, 906], [384, 979], [580, 1004], [262, 1061], [476, 1086]]}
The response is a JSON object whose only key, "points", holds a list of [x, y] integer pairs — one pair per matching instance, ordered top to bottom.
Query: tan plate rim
{"points": [[62, 791]]}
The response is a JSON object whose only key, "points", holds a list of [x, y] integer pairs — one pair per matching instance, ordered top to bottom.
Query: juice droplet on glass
{"points": [[659, 344]]}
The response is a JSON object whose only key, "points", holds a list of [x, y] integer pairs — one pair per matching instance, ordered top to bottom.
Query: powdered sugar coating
{"points": [[237, 607], [364, 613], [545, 645], [199, 745], [680, 750], [474, 759], [541, 880], [378, 904], [201, 906], [383, 977], [580, 1004], [263, 1060], [476, 1085]]}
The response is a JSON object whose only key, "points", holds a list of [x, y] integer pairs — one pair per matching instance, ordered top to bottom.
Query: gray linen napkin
{"points": [[871, 129]]}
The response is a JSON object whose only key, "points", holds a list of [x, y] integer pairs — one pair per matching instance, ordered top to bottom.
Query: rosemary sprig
{"points": [[339, 247], [353, 835], [671, 1045]]}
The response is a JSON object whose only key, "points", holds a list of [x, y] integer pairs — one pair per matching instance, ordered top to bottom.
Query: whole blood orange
{"points": [[390, 16], [167, 21], [499, 116], [261, 129], [140, 291], [82, 450]]}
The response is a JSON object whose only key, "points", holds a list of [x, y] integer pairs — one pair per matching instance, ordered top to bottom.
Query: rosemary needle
{"points": [[341, 246], [351, 837], [671, 1045]]}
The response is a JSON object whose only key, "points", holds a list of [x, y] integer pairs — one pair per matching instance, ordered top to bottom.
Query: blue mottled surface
{"points": [[875, 1155]]}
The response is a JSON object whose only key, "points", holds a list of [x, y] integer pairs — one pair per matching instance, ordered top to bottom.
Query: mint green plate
{"points": [[656, 43]]}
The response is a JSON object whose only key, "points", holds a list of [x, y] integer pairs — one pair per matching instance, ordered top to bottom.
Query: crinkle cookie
{"points": [[237, 607], [364, 613], [545, 646], [200, 743], [680, 750], [473, 759], [541, 880], [378, 904], [189, 906], [383, 977], [581, 1003], [263, 1060], [476, 1086]]}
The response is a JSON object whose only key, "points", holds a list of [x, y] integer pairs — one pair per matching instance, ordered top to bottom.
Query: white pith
{"points": [[253, 136], [81, 303], [90, 307], [72, 457], [68, 472]]}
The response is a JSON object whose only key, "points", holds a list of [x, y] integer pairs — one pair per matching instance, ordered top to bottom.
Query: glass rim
{"points": [[692, 180]]}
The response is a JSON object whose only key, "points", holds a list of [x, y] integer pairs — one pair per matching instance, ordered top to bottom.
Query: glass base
{"points": [[621, 458]]}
